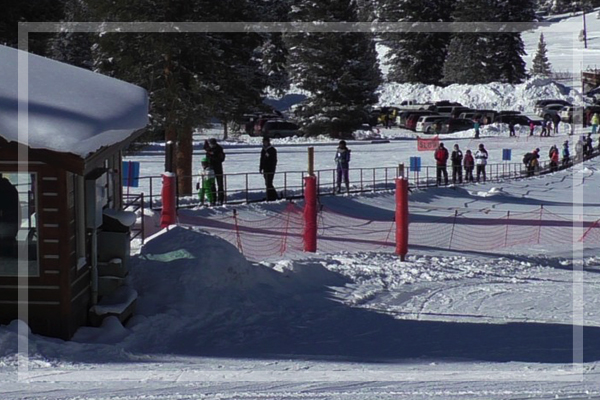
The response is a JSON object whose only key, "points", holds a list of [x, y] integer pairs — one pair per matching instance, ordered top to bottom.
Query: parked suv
{"points": [[540, 104], [550, 111], [517, 119], [425, 122], [456, 125], [279, 129]]}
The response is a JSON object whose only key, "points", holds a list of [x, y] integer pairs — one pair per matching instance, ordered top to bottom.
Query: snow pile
{"points": [[495, 96]]}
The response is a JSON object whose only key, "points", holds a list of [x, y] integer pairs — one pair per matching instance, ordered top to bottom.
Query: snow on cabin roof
{"points": [[71, 109]]}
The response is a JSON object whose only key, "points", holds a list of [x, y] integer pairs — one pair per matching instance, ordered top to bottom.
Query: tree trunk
{"points": [[225, 130], [170, 135], [184, 161]]}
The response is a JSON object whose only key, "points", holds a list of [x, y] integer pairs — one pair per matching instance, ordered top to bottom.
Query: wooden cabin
{"points": [[60, 174]]}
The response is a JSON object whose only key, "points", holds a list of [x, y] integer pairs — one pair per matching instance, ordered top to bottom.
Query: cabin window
{"points": [[18, 224]]}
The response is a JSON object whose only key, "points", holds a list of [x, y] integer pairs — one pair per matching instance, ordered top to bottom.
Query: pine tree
{"points": [[14, 12], [70, 47], [416, 57], [475, 58], [507, 64], [541, 65], [339, 71], [190, 76]]}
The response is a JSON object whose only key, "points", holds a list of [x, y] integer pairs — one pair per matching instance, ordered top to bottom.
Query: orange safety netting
{"points": [[281, 234]]}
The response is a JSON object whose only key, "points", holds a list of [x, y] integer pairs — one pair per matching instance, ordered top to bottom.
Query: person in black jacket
{"points": [[216, 156], [456, 159], [268, 164]]}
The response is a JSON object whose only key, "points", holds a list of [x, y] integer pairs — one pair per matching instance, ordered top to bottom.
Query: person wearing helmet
{"points": [[206, 183]]}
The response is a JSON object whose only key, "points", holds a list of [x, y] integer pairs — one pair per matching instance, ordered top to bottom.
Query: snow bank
{"points": [[495, 96]]}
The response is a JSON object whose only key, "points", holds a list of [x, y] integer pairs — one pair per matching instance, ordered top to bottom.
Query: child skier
{"points": [[342, 160], [206, 183]]}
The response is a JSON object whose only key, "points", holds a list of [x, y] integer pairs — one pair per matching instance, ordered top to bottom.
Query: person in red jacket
{"points": [[441, 158], [469, 164]]}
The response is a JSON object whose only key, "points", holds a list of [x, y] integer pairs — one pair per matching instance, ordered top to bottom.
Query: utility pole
{"points": [[584, 31]]}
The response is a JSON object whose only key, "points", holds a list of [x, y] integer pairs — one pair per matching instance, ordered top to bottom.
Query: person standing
{"points": [[595, 121], [556, 122], [544, 127], [511, 128], [531, 128], [588, 146], [566, 154], [216, 156], [481, 157], [441, 158], [554, 158], [456, 159], [342, 161], [268, 164], [469, 164]]}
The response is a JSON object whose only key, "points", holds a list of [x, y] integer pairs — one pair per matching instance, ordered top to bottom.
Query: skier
{"points": [[595, 120], [556, 121], [476, 126], [511, 128], [531, 128], [544, 128], [588, 146], [566, 155], [441, 157], [481, 157], [554, 158], [456, 159], [342, 161], [531, 161], [268, 164], [469, 164], [205, 185]]}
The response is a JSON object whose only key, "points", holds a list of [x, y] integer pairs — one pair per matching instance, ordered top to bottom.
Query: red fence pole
{"points": [[310, 214], [168, 215], [402, 217]]}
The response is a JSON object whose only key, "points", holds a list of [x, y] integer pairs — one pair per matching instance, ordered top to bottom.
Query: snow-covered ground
{"points": [[514, 323]]}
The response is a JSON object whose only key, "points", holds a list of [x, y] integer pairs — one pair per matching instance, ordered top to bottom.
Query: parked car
{"points": [[540, 104], [451, 111], [550, 111], [566, 113], [484, 116], [403, 117], [518, 119], [411, 121], [425, 121], [455, 125], [279, 129]]}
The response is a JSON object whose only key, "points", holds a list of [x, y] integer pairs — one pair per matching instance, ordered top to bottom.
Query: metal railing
{"points": [[248, 187], [133, 203]]}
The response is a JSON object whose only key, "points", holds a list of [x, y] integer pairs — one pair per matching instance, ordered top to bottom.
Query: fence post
{"points": [[168, 214], [310, 214], [401, 214], [142, 217], [540, 224], [237, 232], [506, 233]]}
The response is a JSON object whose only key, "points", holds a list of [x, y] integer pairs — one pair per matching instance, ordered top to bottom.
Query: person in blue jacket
{"points": [[342, 160]]}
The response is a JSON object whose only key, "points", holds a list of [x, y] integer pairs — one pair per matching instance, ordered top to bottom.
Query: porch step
{"points": [[114, 267], [107, 285], [120, 304]]}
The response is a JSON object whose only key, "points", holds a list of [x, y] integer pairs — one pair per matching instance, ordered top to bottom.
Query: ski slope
{"points": [[521, 322]]}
